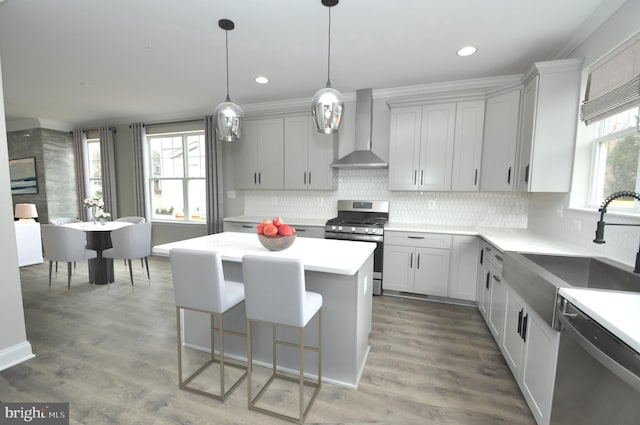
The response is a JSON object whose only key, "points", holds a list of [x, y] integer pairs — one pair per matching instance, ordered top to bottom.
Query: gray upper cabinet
{"points": [[550, 102], [500, 142], [421, 147], [467, 153], [308, 155], [260, 162]]}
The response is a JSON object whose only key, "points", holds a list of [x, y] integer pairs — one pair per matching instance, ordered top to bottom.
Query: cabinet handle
{"points": [[526, 174], [415, 176], [509, 176], [309, 177], [421, 177], [255, 178], [259, 178], [304, 179], [475, 179], [246, 226], [300, 230], [415, 237], [481, 256], [498, 257], [411, 261], [418, 265], [496, 278], [487, 284], [520, 321], [524, 327]]}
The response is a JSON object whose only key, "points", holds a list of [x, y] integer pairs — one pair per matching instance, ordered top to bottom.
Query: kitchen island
{"points": [[342, 271]]}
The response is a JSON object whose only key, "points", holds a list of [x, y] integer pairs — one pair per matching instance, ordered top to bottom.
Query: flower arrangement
{"points": [[92, 202], [102, 215]]}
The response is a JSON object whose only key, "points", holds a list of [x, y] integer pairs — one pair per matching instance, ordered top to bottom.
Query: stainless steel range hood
{"points": [[362, 156]]}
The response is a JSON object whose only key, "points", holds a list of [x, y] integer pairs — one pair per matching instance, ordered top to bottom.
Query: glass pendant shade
{"points": [[326, 108], [229, 119]]}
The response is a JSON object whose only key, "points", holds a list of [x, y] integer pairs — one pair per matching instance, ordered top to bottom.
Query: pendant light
{"points": [[327, 104], [228, 115]]}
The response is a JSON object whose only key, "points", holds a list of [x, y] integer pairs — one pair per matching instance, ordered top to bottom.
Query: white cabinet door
{"points": [[529, 96], [549, 121], [500, 142], [436, 147], [296, 148], [404, 148], [322, 152], [467, 153], [259, 163], [398, 266], [464, 268], [431, 271], [486, 292], [497, 307], [512, 344], [539, 366]]}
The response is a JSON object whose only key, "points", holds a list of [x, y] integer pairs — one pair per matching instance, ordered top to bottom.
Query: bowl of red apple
{"points": [[275, 235]]}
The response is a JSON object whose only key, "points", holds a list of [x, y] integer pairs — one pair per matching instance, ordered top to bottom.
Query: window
{"points": [[616, 143], [94, 167], [177, 176]]}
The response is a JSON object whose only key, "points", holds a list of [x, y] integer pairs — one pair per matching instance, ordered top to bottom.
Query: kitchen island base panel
{"points": [[346, 322]]}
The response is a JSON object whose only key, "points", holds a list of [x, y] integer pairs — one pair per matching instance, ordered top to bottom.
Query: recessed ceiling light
{"points": [[466, 51], [262, 80]]}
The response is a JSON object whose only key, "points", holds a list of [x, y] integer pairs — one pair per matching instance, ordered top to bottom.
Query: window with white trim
{"points": [[616, 146], [94, 169], [177, 176]]}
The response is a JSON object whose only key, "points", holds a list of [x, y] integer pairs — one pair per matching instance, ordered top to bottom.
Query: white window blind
{"points": [[614, 82]]}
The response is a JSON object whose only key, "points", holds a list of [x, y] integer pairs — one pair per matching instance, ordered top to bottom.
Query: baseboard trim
{"points": [[16, 354]]}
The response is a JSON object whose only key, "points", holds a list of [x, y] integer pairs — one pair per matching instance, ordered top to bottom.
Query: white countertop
{"points": [[294, 221], [107, 226], [322, 255], [617, 311]]}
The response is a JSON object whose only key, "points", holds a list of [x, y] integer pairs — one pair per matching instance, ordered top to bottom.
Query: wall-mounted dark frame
{"points": [[24, 179]]}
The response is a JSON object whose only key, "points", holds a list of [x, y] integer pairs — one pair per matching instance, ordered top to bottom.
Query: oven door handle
{"points": [[605, 359]]}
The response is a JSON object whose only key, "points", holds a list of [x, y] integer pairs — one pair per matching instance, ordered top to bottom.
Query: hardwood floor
{"points": [[111, 353]]}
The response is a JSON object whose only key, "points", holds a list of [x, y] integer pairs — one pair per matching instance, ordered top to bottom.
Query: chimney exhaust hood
{"points": [[362, 156]]}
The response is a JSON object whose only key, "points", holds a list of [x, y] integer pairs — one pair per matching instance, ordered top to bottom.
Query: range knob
{"points": [[333, 227], [339, 228], [353, 230]]}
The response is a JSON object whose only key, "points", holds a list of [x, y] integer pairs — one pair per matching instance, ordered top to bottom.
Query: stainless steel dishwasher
{"points": [[598, 375]]}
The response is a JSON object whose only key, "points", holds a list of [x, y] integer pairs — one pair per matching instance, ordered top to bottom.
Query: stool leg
{"points": [[221, 332], [179, 347], [274, 347], [320, 347], [249, 363], [301, 392]]}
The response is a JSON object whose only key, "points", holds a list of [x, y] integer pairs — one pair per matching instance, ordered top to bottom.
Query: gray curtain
{"points": [[139, 160], [107, 162], [213, 162], [81, 188]]}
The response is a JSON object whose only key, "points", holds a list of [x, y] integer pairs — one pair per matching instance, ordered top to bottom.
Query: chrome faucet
{"points": [[603, 209]]}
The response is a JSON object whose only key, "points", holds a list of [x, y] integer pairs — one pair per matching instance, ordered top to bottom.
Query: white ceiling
{"points": [[87, 62]]}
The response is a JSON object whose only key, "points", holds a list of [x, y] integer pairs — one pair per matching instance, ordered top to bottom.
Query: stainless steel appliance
{"points": [[362, 221], [598, 375]]}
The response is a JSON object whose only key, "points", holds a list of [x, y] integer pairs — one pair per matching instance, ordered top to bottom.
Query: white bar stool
{"points": [[199, 285], [275, 294]]}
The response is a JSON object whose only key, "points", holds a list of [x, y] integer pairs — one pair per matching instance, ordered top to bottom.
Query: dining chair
{"points": [[135, 220], [59, 221], [131, 242], [64, 244], [199, 285], [275, 294]]}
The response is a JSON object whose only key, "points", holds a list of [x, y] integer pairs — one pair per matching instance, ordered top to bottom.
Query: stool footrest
{"points": [[184, 384]]}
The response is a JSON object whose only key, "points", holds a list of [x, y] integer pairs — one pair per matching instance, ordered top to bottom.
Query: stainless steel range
{"points": [[362, 221]]}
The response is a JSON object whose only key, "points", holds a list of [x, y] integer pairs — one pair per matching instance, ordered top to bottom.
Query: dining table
{"points": [[99, 239]]}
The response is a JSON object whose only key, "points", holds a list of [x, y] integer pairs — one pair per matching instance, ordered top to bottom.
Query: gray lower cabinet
{"points": [[250, 227], [529, 345]]}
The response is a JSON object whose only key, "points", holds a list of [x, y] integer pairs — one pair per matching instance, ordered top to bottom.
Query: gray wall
{"points": [[55, 170], [13, 334]]}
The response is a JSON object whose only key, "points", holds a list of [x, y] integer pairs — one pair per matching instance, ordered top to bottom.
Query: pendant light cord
{"points": [[226, 41], [329, 52]]}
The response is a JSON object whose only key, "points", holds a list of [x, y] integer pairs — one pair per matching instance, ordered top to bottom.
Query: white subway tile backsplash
{"points": [[486, 209]]}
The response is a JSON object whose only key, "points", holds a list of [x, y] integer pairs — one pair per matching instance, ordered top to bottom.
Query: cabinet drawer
{"points": [[239, 226], [310, 231], [419, 239]]}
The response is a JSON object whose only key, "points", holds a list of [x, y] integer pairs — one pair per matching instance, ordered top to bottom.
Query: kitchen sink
{"points": [[538, 277]]}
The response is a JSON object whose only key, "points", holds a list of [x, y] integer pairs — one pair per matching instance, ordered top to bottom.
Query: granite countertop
{"points": [[295, 221], [322, 255], [617, 311]]}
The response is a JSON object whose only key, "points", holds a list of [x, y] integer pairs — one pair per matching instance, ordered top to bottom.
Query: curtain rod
{"points": [[172, 122]]}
